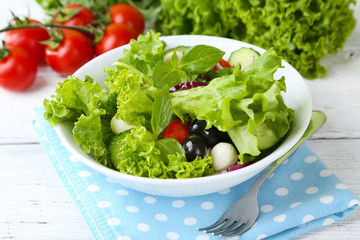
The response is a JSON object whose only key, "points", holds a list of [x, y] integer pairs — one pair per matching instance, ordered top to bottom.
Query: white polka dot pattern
{"points": [[296, 176], [93, 188], [312, 190], [282, 191], [299, 193], [149, 200], [178, 203], [102, 204], [207, 205], [266, 208], [132, 209], [161, 217], [280, 218], [113, 221], [190, 221], [143, 227]]}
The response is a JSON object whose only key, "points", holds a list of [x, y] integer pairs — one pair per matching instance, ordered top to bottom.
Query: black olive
{"points": [[197, 127], [212, 135], [194, 146]]}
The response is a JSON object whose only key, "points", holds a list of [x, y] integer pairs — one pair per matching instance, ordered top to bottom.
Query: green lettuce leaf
{"points": [[302, 31], [144, 53], [134, 95], [248, 105], [91, 108], [134, 152], [180, 168]]}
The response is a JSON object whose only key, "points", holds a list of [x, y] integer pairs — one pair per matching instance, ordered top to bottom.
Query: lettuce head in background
{"points": [[302, 31]]}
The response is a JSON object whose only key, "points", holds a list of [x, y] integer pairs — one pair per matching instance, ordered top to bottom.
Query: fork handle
{"points": [[254, 189]]}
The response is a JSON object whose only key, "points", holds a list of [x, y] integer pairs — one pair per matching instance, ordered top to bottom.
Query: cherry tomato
{"points": [[129, 15], [81, 19], [116, 35], [28, 38], [74, 50], [222, 64], [17, 70], [177, 130]]}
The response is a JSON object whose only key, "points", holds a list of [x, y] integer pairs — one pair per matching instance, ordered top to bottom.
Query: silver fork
{"points": [[242, 214]]}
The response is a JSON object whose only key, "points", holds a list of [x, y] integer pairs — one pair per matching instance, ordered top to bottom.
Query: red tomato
{"points": [[129, 15], [81, 19], [116, 35], [28, 39], [74, 51], [223, 64], [17, 70], [177, 130]]}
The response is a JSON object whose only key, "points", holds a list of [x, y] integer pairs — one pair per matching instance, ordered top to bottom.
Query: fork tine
{"points": [[215, 224], [230, 225], [222, 227], [233, 227], [237, 231]]}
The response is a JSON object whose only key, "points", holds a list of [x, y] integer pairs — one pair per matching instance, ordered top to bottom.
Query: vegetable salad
{"points": [[135, 125]]}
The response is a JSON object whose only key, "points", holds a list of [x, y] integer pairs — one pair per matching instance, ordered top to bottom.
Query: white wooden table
{"points": [[35, 205]]}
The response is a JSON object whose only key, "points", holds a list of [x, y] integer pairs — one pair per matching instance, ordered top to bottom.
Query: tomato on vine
{"points": [[74, 15], [129, 15], [115, 35], [28, 39], [68, 50], [17, 68]]}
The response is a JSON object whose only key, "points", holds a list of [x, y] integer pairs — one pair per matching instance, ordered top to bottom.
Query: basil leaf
{"points": [[200, 59], [174, 61], [163, 75], [162, 111], [168, 146]]}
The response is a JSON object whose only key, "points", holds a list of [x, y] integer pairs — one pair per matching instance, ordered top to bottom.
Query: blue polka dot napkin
{"points": [[301, 195]]}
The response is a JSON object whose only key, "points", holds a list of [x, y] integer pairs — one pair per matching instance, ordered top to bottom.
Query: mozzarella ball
{"points": [[225, 156]]}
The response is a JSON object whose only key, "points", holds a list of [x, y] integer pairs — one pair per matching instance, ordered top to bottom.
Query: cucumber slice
{"points": [[180, 51], [243, 57]]}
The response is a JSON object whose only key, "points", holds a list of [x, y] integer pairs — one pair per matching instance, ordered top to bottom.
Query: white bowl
{"points": [[297, 97]]}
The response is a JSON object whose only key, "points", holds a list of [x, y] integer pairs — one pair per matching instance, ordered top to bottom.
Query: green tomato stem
{"points": [[97, 32], [4, 51]]}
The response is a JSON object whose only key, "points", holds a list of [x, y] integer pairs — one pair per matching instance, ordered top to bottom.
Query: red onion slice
{"points": [[186, 85], [238, 166]]}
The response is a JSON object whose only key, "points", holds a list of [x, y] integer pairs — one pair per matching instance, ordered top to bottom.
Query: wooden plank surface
{"points": [[35, 205]]}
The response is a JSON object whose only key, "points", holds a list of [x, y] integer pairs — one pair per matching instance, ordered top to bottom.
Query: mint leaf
{"points": [[200, 59], [162, 111]]}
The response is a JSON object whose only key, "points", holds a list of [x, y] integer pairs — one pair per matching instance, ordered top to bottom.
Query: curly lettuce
{"points": [[303, 31], [144, 53], [130, 79], [134, 100], [91, 108], [135, 152]]}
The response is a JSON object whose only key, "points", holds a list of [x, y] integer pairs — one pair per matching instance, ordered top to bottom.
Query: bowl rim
{"points": [[261, 164]]}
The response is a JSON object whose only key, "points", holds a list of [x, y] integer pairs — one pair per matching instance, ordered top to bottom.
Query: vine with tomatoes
{"points": [[73, 36]]}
